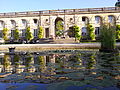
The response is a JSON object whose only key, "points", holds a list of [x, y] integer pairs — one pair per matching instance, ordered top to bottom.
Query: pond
{"points": [[61, 70]]}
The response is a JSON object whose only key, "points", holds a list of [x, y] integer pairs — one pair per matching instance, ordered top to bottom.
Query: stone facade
{"points": [[46, 19]]}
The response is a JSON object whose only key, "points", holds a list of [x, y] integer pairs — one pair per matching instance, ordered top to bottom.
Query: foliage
{"points": [[117, 4], [59, 28], [90, 30], [77, 31], [117, 31], [40, 32], [5, 33], [16, 34], [28, 34], [108, 37], [28, 60], [41, 60], [6, 61]]}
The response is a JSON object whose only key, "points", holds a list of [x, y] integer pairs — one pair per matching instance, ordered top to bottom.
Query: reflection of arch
{"points": [[85, 19], [98, 19], [111, 19]]}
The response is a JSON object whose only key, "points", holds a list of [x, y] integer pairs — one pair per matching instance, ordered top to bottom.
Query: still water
{"points": [[62, 70]]}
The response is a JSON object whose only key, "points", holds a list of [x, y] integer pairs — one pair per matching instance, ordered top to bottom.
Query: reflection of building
{"points": [[48, 18]]}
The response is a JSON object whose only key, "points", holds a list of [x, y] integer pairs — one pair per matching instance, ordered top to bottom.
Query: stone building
{"points": [[48, 18]]}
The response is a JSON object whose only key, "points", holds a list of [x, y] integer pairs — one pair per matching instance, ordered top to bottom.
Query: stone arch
{"points": [[85, 19], [98, 19], [112, 19], [35, 21], [24, 22], [13, 23], [2, 24], [59, 31]]}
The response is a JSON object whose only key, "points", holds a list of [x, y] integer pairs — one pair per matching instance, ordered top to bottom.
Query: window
{"points": [[97, 19], [111, 19], [46, 20], [85, 20], [35, 21], [24, 22], [13, 23], [2, 24], [97, 30], [84, 31], [35, 32], [0, 33], [12, 33], [22, 34]]}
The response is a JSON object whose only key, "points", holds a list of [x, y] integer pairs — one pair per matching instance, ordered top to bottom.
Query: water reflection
{"points": [[82, 68]]}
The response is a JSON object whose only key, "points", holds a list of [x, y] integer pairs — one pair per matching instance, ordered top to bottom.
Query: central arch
{"points": [[59, 27]]}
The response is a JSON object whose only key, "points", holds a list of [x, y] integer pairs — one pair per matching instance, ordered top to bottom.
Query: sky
{"points": [[38, 5]]}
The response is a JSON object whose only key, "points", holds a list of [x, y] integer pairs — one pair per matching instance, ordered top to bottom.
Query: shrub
{"points": [[90, 31], [40, 32], [108, 37]]}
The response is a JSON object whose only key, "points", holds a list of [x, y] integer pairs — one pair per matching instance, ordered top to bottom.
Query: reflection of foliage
{"points": [[16, 59], [28, 60], [41, 60], [6, 61], [91, 61]]}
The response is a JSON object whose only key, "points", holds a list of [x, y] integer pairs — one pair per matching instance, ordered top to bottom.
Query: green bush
{"points": [[90, 31], [40, 32], [77, 32], [5, 33], [16, 34], [28, 34], [108, 37]]}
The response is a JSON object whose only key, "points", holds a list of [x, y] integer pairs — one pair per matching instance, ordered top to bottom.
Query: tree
{"points": [[59, 28], [90, 31], [117, 31], [40, 32], [77, 32], [5, 33], [16, 34], [28, 34]]}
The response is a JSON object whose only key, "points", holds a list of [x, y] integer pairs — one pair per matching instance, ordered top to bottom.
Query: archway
{"points": [[59, 27]]}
